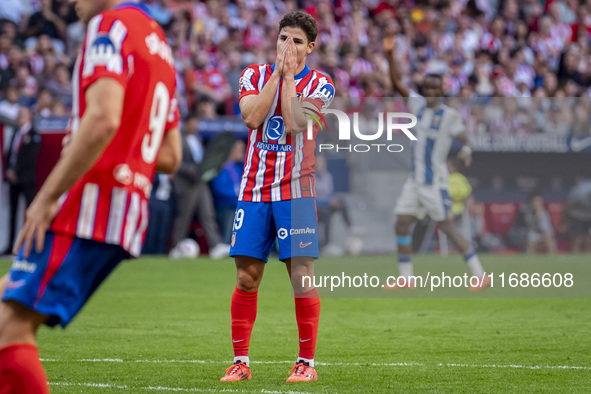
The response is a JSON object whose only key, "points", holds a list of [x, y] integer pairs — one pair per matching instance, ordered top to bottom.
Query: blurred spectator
{"points": [[13, 10], [159, 11], [47, 21], [10, 31], [74, 39], [484, 48], [493, 48], [233, 72], [204, 80], [25, 82], [60, 84], [43, 104], [58, 108], [9, 109], [206, 109], [368, 118], [555, 121], [582, 121], [21, 163], [225, 189], [195, 195], [327, 204], [161, 206], [578, 212], [476, 216], [540, 236]]}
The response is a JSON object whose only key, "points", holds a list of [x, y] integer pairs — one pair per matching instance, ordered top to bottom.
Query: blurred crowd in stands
{"points": [[483, 48], [502, 48]]}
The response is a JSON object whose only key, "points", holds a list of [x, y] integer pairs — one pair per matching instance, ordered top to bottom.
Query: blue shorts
{"points": [[292, 222], [58, 281]]}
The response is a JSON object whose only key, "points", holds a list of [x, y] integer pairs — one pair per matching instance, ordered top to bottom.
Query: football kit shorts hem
{"points": [[419, 200], [293, 223], [58, 281]]}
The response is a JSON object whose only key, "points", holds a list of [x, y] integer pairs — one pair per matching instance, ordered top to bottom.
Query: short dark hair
{"points": [[303, 21], [435, 76], [189, 116], [533, 194]]}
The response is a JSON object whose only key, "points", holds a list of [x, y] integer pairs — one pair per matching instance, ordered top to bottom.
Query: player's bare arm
{"points": [[389, 46], [255, 107], [292, 109], [97, 128], [67, 139], [171, 151], [465, 154]]}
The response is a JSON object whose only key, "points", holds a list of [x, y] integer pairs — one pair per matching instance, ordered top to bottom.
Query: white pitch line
{"points": [[101, 360], [402, 364], [516, 366], [98, 385], [177, 389]]}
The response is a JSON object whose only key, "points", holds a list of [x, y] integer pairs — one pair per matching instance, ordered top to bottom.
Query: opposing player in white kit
{"points": [[426, 190]]}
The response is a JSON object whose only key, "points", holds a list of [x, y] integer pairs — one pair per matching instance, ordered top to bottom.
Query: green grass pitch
{"points": [[158, 325]]}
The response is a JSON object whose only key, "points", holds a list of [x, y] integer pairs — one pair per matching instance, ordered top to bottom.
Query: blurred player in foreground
{"points": [[426, 190], [277, 198], [92, 211]]}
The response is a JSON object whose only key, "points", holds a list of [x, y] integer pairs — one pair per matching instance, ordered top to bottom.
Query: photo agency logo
{"points": [[388, 123]]}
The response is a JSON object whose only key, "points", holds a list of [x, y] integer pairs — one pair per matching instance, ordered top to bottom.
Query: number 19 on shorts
{"points": [[238, 219]]}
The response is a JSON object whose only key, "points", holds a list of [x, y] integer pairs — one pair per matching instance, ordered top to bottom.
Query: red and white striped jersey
{"points": [[279, 166], [110, 202]]}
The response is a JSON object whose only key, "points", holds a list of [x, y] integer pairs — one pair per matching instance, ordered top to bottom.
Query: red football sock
{"points": [[307, 308], [244, 313], [21, 370]]}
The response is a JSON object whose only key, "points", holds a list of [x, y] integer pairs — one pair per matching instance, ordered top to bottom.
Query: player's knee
{"points": [[446, 226], [402, 228], [300, 271], [302, 276], [248, 280], [7, 314], [16, 326]]}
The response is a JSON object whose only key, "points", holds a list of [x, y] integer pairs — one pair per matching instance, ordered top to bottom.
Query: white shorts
{"points": [[419, 200]]}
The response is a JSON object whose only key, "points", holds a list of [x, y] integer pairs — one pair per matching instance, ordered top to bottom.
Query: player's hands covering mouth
{"points": [[291, 60], [287, 62], [279, 63]]}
